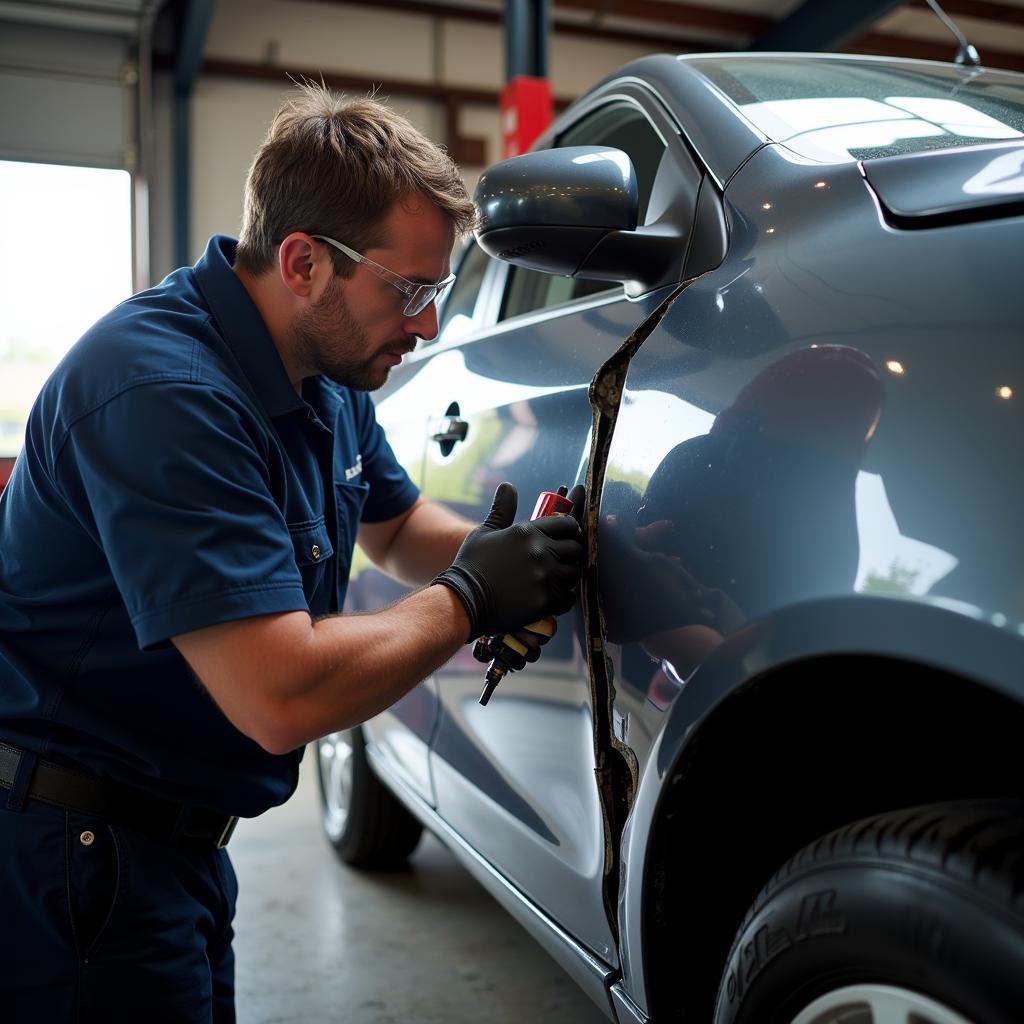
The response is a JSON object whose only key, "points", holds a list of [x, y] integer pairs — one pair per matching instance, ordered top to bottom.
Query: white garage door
{"points": [[68, 83]]}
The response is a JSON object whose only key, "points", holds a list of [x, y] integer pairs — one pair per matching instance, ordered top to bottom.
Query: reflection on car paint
{"points": [[732, 520], [891, 563], [455, 746]]}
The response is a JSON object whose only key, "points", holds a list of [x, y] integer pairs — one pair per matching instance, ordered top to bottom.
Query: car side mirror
{"points": [[573, 212]]}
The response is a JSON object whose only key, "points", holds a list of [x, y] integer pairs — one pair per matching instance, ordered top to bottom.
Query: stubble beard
{"points": [[327, 336]]}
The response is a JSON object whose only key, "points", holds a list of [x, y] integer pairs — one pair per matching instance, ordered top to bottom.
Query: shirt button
{"points": [[315, 552]]}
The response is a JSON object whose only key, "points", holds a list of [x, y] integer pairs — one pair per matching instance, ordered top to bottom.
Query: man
{"points": [[174, 550]]}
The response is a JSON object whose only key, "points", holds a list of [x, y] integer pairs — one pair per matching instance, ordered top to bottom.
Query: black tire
{"points": [[362, 820], [924, 906]]}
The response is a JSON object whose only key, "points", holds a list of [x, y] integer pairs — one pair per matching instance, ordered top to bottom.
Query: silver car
{"points": [[770, 310]]}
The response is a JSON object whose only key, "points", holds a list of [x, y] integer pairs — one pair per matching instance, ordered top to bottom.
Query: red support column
{"points": [[526, 109]]}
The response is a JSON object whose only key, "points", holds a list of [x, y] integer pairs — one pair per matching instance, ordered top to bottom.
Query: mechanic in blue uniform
{"points": [[175, 544]]}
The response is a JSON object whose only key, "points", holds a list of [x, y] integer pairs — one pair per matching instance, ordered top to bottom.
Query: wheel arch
{"points": [[790, 753]]}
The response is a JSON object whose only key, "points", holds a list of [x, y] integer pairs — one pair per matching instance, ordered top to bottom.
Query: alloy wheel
{"points": [[335, 753], [876, 1004]]}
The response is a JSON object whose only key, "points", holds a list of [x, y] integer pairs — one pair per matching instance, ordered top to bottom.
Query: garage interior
{"points": [[175, 96]]}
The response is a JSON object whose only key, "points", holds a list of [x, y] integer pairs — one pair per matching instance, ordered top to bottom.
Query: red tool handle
{"points": [[551, 503]]}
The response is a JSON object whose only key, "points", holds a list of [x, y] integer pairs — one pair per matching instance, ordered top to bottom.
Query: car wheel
{"points": [[364, 822], [910, 917]]}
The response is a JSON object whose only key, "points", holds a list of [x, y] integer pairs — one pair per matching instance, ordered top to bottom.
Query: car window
{"points": [[622, 126], [457, 317]]}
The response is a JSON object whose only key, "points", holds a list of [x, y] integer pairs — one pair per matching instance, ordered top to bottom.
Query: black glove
{"points": [[507, 576]]}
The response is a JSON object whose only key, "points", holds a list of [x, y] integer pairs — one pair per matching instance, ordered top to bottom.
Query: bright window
{"points": [[65, 260]]}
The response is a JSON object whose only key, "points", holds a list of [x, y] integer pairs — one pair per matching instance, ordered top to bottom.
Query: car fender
{"points": [[924, 632]]}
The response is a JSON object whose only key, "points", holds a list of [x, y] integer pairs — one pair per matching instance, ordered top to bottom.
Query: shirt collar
{"points": [[240, 324]]}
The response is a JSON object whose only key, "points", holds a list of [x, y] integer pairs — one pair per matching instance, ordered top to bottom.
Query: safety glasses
{"points": [[419, 296]]}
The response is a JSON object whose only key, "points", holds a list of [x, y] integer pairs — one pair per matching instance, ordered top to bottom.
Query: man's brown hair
{"points": [[335, 166]]}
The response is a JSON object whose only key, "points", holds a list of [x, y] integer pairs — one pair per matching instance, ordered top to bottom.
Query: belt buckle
{"points": [[226, 832]]}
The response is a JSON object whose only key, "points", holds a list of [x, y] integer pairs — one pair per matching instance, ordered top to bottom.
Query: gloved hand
{"points": [[578, 497], [507, 576]]}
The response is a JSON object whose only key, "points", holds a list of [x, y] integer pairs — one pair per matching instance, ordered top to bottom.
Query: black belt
{"points": [[121, 805]]}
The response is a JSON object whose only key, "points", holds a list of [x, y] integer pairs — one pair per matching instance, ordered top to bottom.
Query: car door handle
{"points": [[450, 429]]}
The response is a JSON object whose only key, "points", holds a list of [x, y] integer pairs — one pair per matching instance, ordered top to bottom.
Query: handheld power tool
{"points": [[505, 652]]}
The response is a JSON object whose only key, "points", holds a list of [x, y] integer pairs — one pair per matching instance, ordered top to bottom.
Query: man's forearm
{"points": [[426, 544], [362, 664], [284, 680]]}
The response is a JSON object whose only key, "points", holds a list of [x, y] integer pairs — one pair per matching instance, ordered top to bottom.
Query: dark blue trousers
{"points": [[100, 923]]}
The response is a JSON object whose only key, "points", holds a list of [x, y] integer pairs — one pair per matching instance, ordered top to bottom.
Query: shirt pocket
{"points": [[349, 500], [311, 543]]}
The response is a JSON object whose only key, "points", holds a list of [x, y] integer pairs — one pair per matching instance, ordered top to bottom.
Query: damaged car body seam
{"points": [[616, 767]]}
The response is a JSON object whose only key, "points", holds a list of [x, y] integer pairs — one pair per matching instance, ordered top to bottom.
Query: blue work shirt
{"points": [[171, 479]]}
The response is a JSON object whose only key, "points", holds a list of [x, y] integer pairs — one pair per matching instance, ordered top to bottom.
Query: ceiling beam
{"points": [[981, 9], [667, 12], [687, 14], [823, 24], [670, 39], [665, 41], [886, 44], [287, 76]]}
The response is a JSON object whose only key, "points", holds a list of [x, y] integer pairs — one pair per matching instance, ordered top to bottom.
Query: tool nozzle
{"points": [[495, 673]]}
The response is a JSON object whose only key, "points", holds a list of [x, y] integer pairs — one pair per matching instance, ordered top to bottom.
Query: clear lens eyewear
{"points": [[419, 296]]}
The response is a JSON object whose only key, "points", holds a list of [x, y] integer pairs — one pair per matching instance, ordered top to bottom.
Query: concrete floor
{"points": [[319, 942]]}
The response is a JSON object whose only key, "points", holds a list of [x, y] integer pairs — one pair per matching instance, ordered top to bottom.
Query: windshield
{"points": [[840, 110]]}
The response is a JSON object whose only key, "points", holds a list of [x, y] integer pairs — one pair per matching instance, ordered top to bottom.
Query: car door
{"points": [[517, 778]]}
